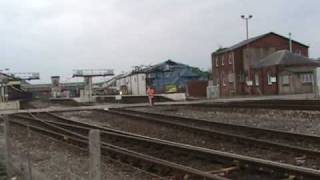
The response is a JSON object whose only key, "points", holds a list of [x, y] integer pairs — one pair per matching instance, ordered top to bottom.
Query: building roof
{"points": [[251, 40], [285, 58], [160, 67], [165, 67], [7, 77]]}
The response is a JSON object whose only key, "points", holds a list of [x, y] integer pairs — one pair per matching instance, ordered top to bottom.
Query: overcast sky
{"points": [[54, 37]]}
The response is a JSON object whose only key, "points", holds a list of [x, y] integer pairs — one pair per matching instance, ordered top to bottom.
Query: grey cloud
{"points": [[54, 37]]}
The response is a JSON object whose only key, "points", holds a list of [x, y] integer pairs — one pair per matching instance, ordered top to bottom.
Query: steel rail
{"points": [[279, 101], [259, 105], [83, 139], [243, 139], [311, 143], [250, 161]]}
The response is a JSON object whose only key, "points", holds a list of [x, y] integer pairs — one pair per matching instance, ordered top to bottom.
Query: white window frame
{"points": [[298, 51], [230, 59], [222, 60], [217, 61], [231, 77], [306, 77], [223, 79], [256, 79], [269, 79], [285, 80]]}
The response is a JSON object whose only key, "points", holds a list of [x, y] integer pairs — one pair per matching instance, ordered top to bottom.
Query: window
{"points": [[298, 51], [230, 58], [222, 60], [217, 62], [231, 77], [241, 77], [306, 77], [223, 79], [256, 79], [269, 79], [285, 80]]}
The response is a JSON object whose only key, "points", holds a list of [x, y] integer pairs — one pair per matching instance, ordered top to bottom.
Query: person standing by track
{"points": [[151, 93]]}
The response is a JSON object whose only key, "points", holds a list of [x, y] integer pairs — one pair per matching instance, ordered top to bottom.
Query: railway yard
{"points": [[265, 139]]}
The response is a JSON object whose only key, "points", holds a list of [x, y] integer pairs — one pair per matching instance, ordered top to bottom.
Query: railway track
{"points": [[281, 101], [309, 105], [78, 135], [273, 137], [282, 150], [179, 154]]}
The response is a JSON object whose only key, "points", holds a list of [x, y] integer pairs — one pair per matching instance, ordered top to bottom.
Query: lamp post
{"points": [[246, 18]]}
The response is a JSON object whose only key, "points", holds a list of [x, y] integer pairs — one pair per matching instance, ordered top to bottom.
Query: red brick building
{"points": [[232, 67]]}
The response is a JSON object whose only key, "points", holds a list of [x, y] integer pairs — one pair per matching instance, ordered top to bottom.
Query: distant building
{"points": [[232, 67], [284, 72], [166, 77], [10, 88], [44, 90]]}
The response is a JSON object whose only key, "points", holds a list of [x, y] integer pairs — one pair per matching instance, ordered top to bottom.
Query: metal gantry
{"points": [[9, 79], [87, 94]]}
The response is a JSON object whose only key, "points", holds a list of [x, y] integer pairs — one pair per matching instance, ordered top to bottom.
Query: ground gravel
{"points": [[306, 122], [167, 132], [61, 161]]}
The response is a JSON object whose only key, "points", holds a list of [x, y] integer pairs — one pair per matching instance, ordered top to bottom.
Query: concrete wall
{"points": [[10, 105]]}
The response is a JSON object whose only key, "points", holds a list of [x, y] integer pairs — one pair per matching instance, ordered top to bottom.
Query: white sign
{"points": [[273, 79], [249, 83], [118, 97]]}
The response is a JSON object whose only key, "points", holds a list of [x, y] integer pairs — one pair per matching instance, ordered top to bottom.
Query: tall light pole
{"points": [[246, 18], [290, 42]]}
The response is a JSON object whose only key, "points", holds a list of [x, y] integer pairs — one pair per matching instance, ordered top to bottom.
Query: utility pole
{"points": [[246, 18], [290, 41]]}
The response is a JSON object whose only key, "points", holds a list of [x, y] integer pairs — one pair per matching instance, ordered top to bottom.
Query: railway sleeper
{"points": [[258, 169]]}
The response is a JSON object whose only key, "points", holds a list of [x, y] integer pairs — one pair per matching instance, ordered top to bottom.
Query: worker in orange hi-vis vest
{"points": [[151, 92]]}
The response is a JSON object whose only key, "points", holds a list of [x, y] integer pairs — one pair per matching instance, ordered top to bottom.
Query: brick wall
{"points": [[279, 43], [267, 44], [224, 72], [266, 87], [197, 88]]}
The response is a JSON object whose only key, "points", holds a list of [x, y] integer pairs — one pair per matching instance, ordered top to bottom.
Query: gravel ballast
{"points": [[305, 122], [167, 132], [60, 161]]}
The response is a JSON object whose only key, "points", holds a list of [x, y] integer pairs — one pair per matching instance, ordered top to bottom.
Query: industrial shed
{"points": [[165, 77]]}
